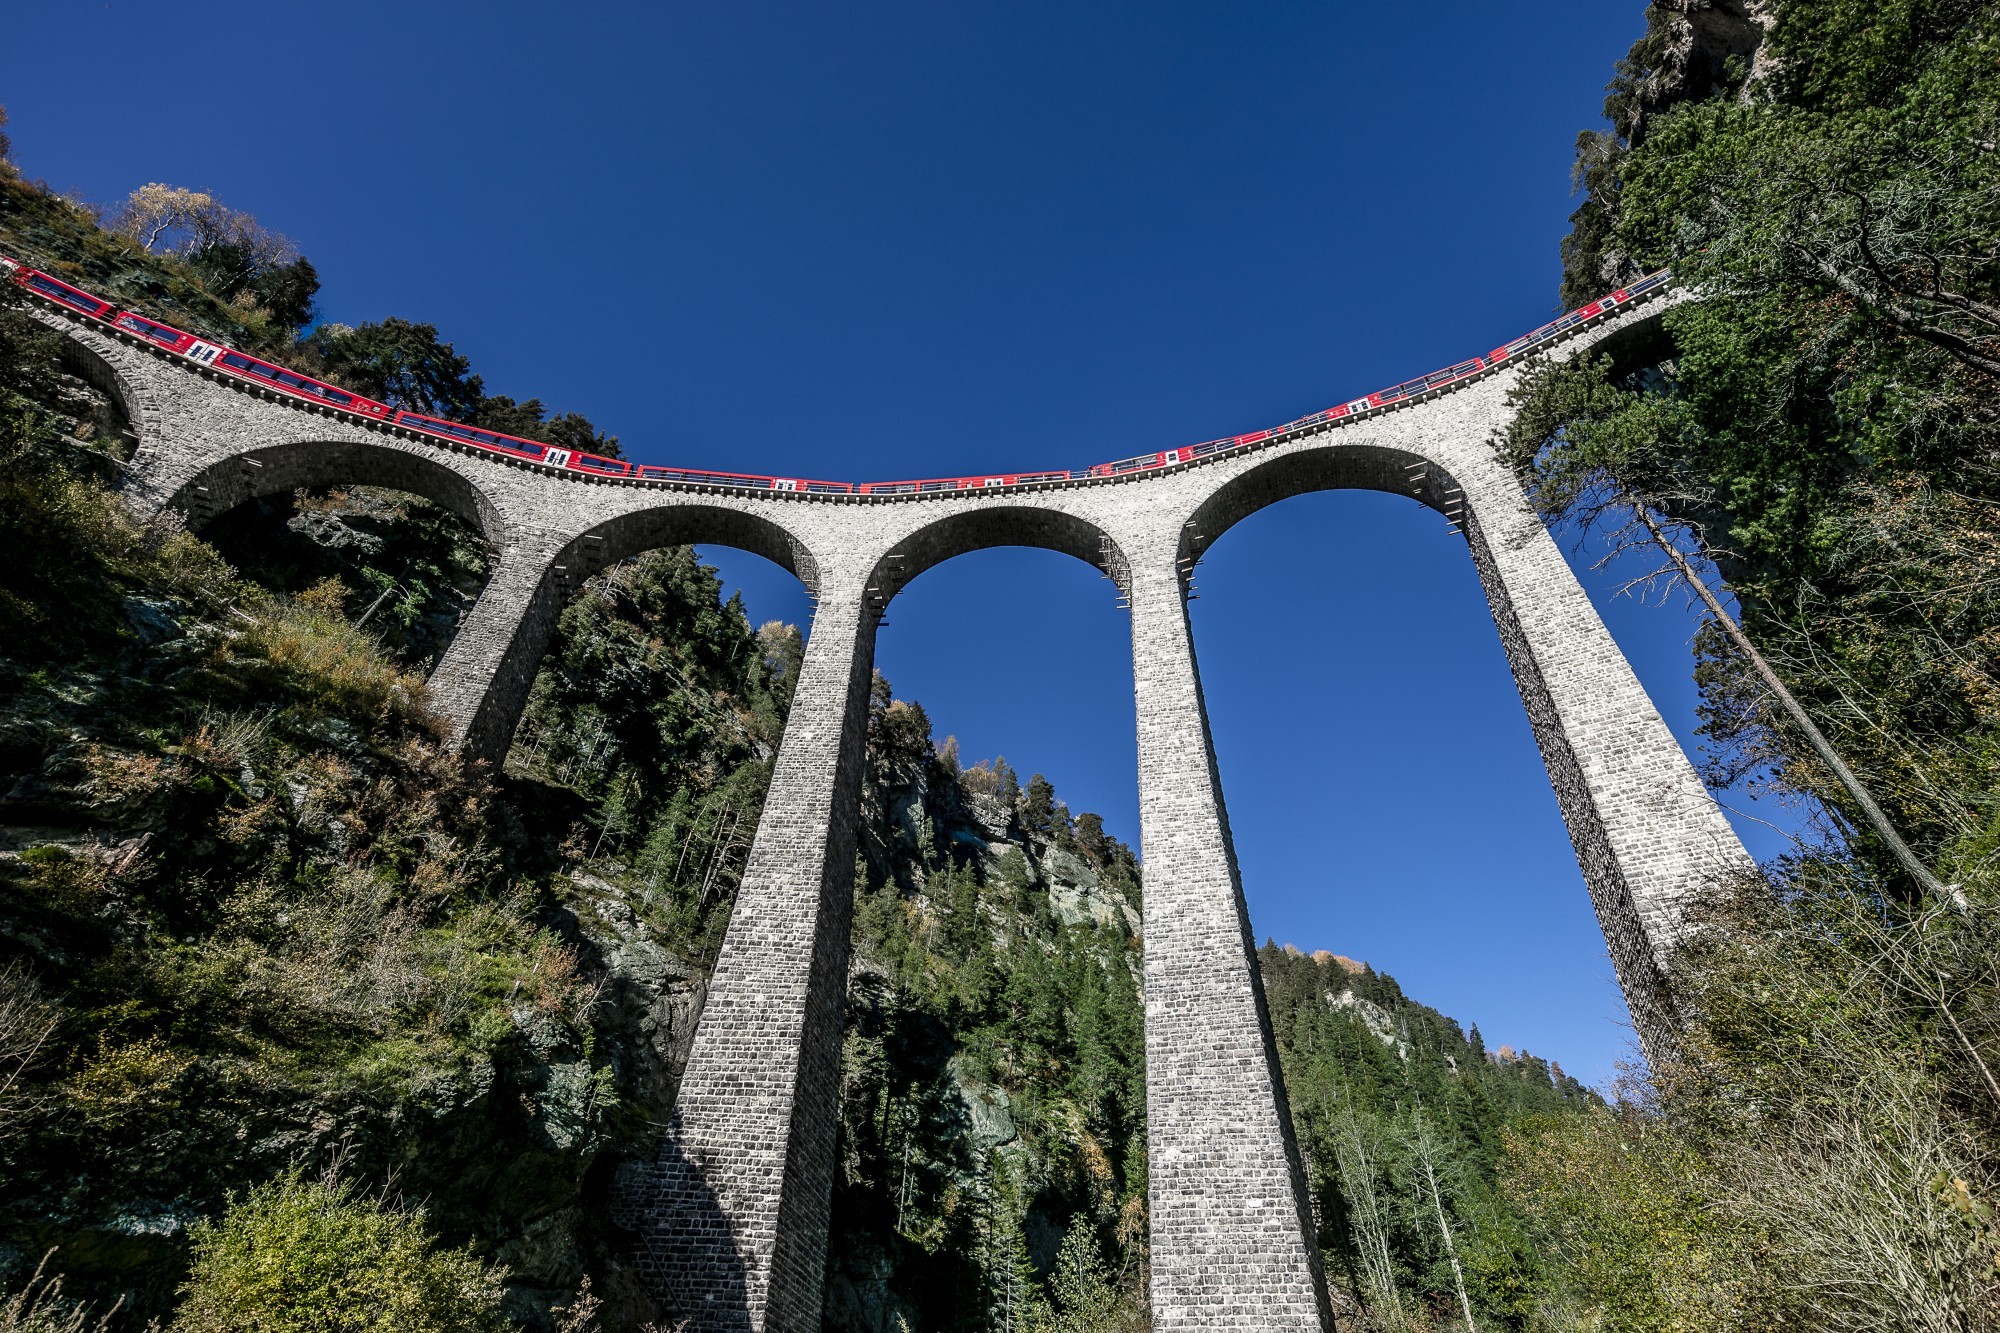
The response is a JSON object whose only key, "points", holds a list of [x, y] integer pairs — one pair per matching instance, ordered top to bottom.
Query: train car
{"points": [[1650, 281], [55, 289], [1623, 296], [165, 335], [245, 366], [1437, 379], [1312, 419], [515, 446], [533, 450], [583, 462], [1123, 466], [692, 477], [1013, 479], [742, 480], [937, 485], [934, 486]]}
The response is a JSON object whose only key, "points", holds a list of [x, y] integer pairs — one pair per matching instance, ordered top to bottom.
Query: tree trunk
{"points": [[1872, 813], [1426, 1155]]}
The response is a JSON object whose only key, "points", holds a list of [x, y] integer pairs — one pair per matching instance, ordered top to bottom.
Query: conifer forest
{"points": [[309, 1024]]}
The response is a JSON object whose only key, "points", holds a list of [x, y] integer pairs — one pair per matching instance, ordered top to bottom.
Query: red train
{"points": [[230, 361]]}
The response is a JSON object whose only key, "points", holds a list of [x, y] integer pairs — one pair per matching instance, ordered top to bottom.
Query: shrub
{"points": [[311, 1256]]}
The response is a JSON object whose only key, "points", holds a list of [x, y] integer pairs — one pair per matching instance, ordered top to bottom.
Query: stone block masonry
{"points": [[733, 1213], [1233, 1244]]}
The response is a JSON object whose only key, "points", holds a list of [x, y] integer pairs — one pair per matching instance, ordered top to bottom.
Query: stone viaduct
{"points": [[734, 1217]]}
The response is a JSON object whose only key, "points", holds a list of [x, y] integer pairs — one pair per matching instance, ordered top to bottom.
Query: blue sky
{"points": [[878, 240]]}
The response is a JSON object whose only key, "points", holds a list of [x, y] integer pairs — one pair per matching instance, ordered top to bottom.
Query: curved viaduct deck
{"points": [[734, 1212]]}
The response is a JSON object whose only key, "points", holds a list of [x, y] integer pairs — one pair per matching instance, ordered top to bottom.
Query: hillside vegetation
{"points": [[1817, 431]]}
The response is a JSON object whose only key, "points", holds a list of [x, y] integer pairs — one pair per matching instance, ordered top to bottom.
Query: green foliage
{"points": [[65, 238], [402, 363], [408, 365], [1824, 418], [531, 420], [1822, 422], [660, 708], [271, 911], [993, 1086], [1387, 1095], [1628, 1245], [311, 1256], [1085, 1299]]}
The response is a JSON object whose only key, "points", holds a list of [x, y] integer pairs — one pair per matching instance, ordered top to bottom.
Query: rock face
{"points": [[1698, 47], [1691, 50], [1077, 897], [650, 995], [1374, 1017]]}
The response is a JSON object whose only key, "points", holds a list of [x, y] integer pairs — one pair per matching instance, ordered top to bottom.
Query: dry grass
{"points": [[334, 666], [26, 1023], [40, 1307]]}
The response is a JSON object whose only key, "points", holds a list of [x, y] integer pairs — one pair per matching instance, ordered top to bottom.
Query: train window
{"points": [[57, 291], [146, 328]]}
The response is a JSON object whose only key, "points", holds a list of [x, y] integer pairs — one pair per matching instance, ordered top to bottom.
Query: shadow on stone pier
{"points": [[684, 1249]]}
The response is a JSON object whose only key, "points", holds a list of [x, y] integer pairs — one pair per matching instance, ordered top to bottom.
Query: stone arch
{"points": [[95, 358], [316, 460], [1340, 467], [689, 522], [982, 527], [483, 680], [1644, 829]]}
